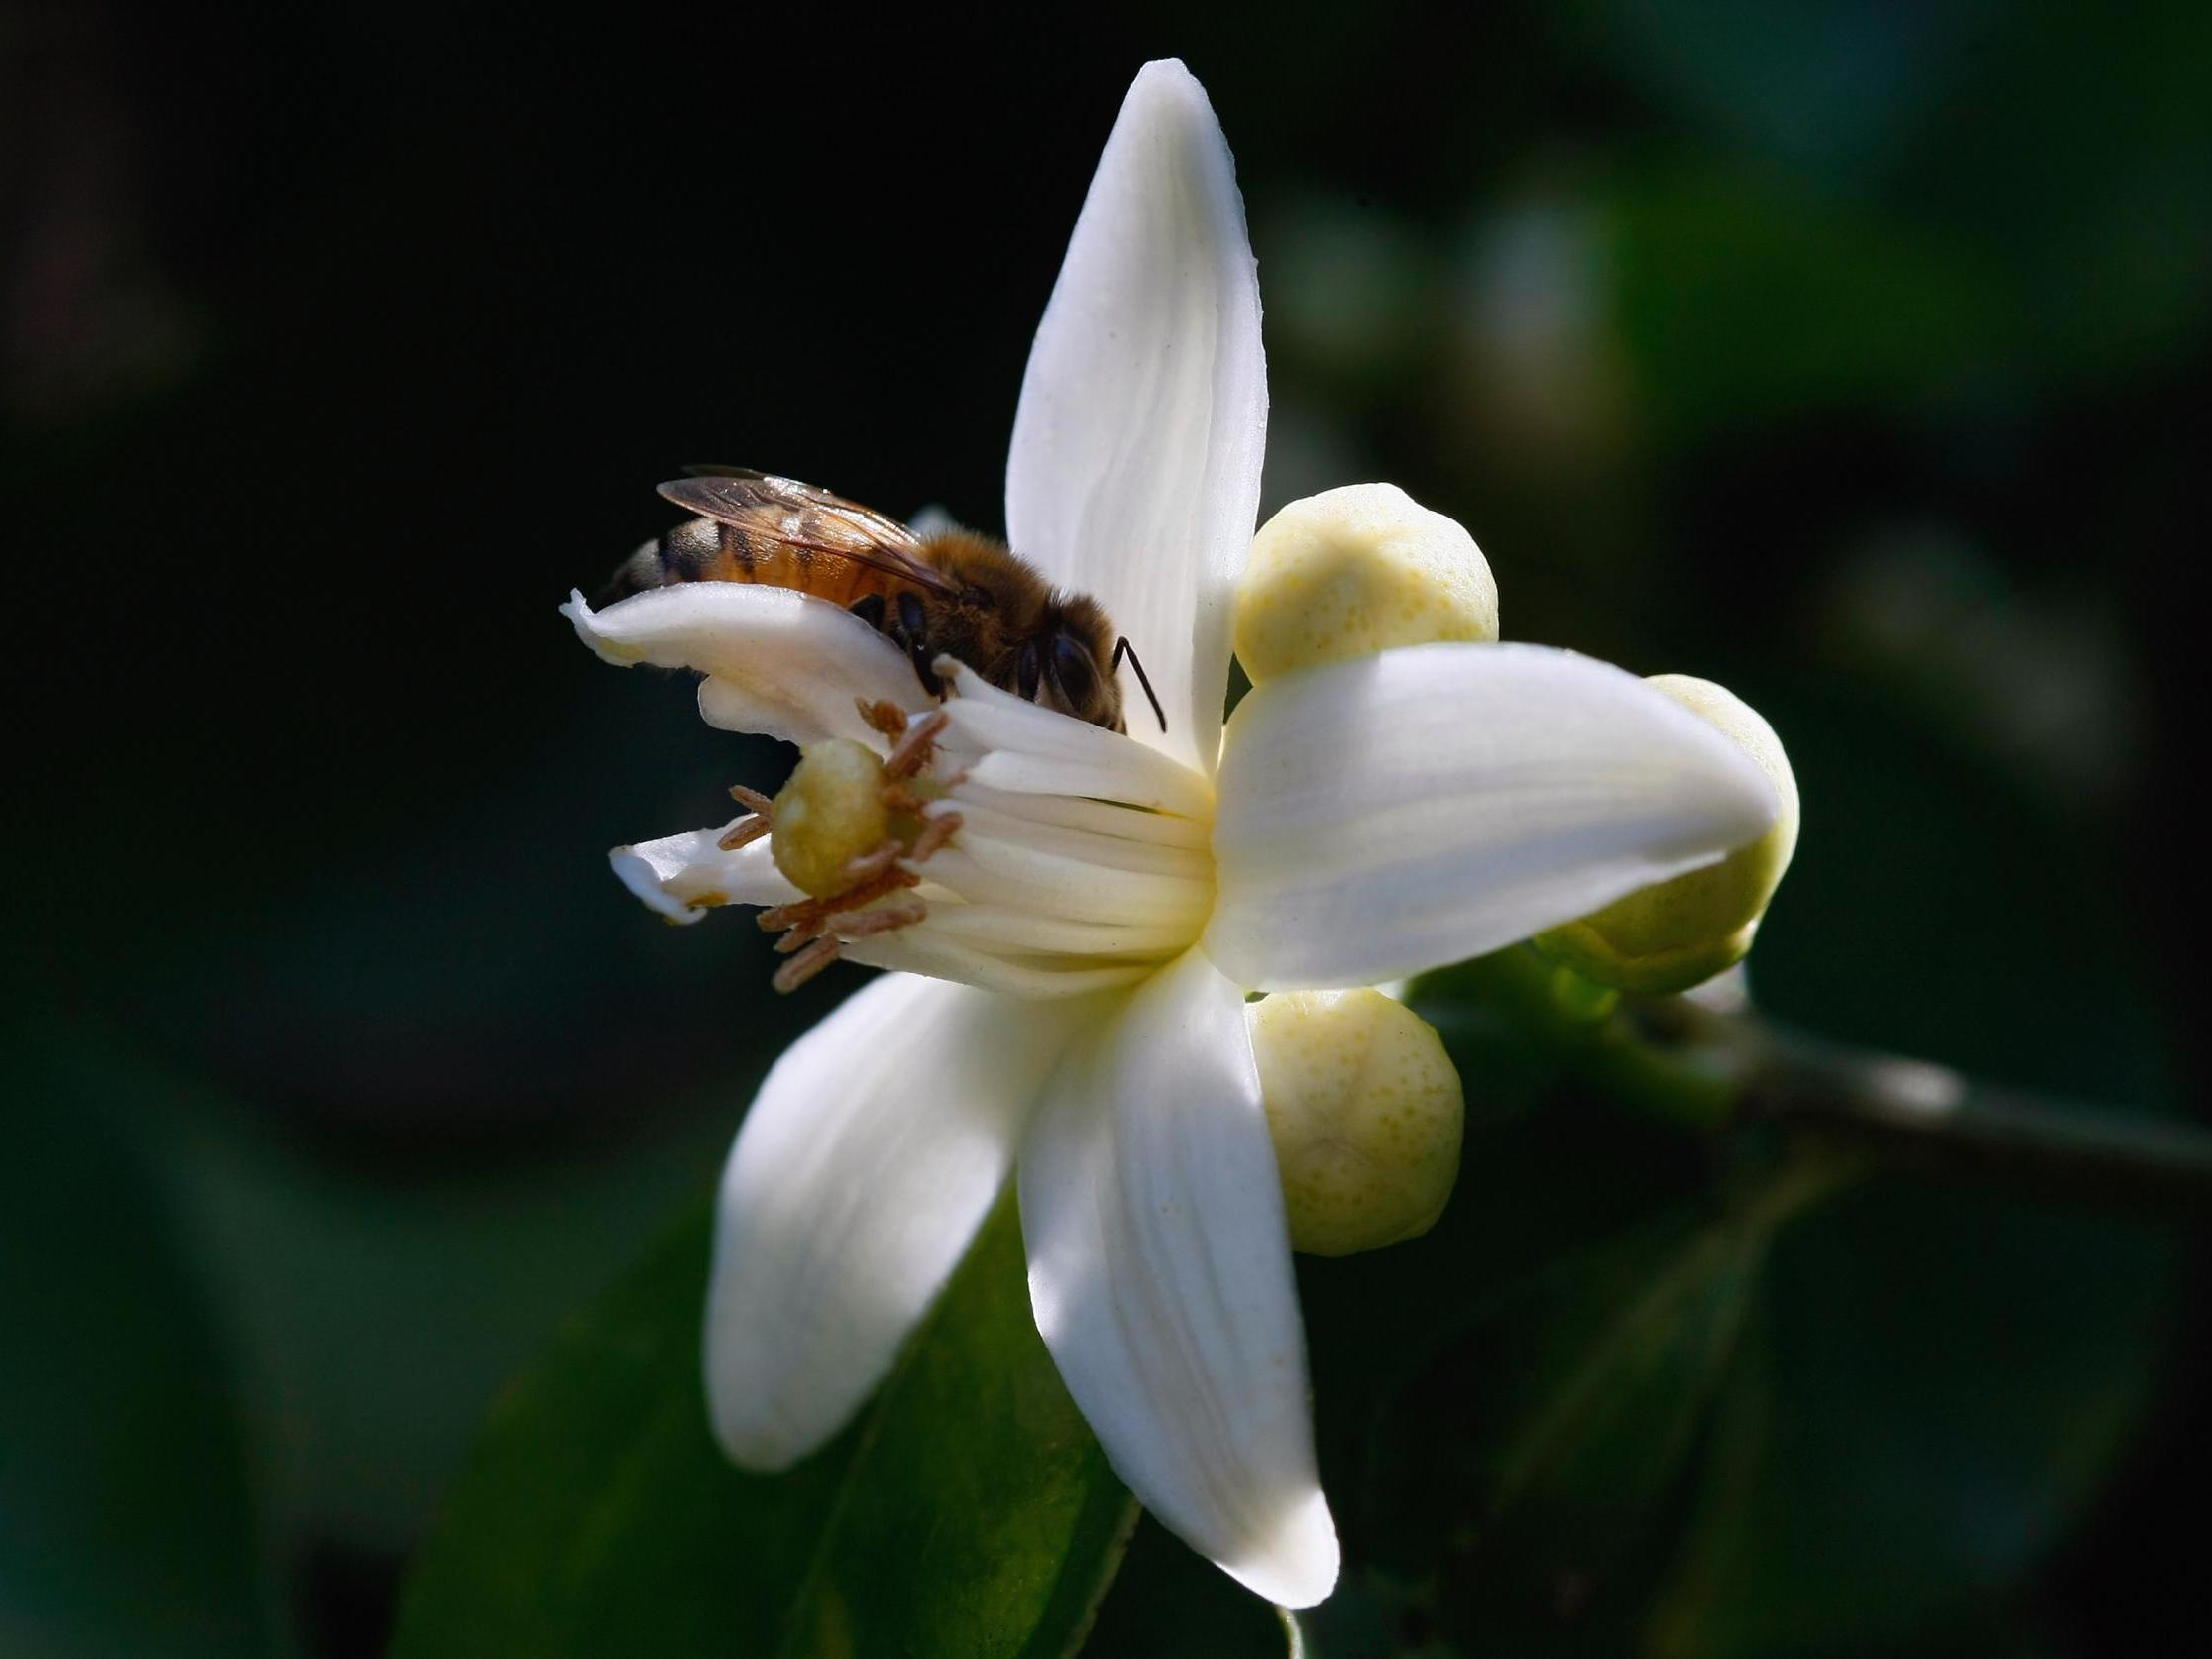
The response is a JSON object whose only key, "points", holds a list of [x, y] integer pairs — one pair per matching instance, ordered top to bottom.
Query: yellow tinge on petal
{"points": [[1356, 571], [831, 812], [1681, 933], [1366, 1109]]}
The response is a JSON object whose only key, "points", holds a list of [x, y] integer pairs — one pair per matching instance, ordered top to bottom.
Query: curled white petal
{"points": [[1134, 474], [778, 663], [1396, 812], [685, 875], [873, 1150], [1160, 1271]]}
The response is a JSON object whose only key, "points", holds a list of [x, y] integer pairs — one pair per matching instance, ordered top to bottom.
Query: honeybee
{"points": [[951, 593]]}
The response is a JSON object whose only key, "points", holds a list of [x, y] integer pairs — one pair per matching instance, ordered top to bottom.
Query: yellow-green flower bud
{"points": [[1354, 570], [830, 813], [1681, 932], [1365, 1107]]}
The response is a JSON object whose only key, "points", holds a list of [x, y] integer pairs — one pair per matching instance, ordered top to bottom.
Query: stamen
{"points": [[884, 717], [914, 748], [753, 800], [744, 832], [935, 832], [870, 865], [818, 912], [882, 920], [813, 927], [804, 966]]}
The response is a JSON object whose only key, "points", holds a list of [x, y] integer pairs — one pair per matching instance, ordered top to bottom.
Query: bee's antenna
{"points": [[1122, 648]]}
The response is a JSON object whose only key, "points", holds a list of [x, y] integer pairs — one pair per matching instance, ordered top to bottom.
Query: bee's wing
{"points": [[802, 516]]}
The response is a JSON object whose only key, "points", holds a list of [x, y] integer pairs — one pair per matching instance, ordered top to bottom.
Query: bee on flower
{"points": [[1074, 913]]}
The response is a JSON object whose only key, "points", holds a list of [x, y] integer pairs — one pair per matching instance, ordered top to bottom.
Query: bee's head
{"points": [[1068, 663]]}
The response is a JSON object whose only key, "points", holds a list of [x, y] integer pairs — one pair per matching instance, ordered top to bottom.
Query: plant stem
{"points": [[1710, 1066], [1913, 1115]]}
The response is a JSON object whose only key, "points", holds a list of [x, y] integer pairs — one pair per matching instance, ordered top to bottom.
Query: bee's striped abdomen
{"points": [[702, 550]]}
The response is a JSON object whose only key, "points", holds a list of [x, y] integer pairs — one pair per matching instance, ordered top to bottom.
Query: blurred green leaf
{"points": [[1833, 84], [1743, 295], [1939, 1381], [1583, 1392], [1678, 1440], [970, 1512], [127, 1524], [1171, 1602]]}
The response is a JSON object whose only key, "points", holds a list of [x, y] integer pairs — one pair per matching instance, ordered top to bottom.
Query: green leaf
{"points": [[1743, 298], [1939, 1380], [1577, 1399], [970, 1512], [126, 1522]]}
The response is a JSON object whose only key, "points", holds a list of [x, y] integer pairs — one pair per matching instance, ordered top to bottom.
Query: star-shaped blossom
{"points": [[1075, 953]]}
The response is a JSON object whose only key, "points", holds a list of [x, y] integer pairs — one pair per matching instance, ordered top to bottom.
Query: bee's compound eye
{"points": [[1027, 669], [1076, 673]]}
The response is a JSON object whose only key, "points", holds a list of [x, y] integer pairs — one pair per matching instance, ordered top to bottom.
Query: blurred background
{"points": [[1852, 354]]}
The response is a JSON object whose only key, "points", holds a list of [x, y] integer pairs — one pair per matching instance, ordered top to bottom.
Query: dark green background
{"points": [[1854, 356]]}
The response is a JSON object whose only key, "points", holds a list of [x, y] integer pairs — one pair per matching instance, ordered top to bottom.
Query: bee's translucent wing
{"points": [[800, 516]]}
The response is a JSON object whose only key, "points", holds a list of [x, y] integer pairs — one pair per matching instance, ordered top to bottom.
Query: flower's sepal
{"points": [[1356, 571], [831, 812], [1681, 932], [1366, 1109]]}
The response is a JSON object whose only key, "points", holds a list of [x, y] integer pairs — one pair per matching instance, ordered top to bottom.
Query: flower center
{"points": [[848, 830], [995, 843]]}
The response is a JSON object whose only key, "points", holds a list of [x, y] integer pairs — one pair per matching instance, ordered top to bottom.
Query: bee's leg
{"points": [[913, 633]]}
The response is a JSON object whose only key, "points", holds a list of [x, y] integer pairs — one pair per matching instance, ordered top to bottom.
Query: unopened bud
{"points": [[1355, 571], [830, 813], [1681, 933], [1365, 1107]]}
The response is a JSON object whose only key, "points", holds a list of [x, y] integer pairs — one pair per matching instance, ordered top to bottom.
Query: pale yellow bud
{"points": [[1355, 571], [830, 813], [1681, 932], [1365, 1107]]}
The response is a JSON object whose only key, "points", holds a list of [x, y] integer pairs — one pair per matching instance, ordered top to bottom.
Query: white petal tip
{"points": [[1164, 73], [643, 876], [754, 1449], [1297, 1568]]}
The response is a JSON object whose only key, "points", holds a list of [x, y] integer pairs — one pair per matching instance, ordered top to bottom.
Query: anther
{"points": [[883, 715], [914, 748], [839, 796], [752, 801], [744, 832], [935, 832], [868, 866], [805, 913], [863, 923], [796, 937], [804, 966]]}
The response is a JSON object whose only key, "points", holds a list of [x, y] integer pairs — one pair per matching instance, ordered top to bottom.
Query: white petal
{"points": [[1135, 470], [777, 663], [1012, 744], [1391, 813], [1156, 829], [685, 875], [1028, 975], [871, 1153], [1160, 1269]]}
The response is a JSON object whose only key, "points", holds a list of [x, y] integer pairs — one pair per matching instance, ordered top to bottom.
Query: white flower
{"points": [[1095, 920]]}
